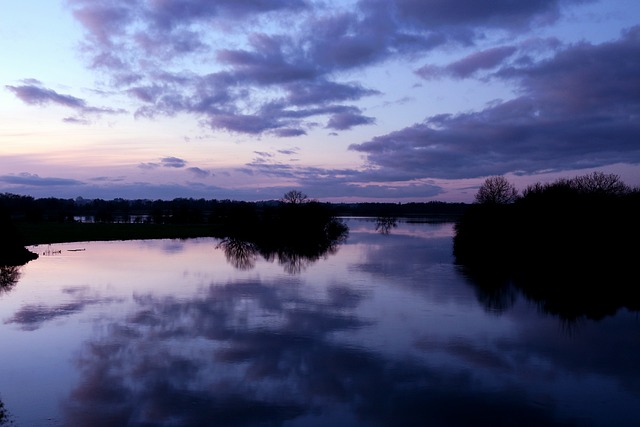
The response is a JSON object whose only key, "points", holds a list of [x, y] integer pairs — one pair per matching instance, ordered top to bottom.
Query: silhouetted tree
{"points": [[496, 190], [295, 197]]}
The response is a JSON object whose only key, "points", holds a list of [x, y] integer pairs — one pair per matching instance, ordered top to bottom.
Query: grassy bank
{"points": [[63, 232]]}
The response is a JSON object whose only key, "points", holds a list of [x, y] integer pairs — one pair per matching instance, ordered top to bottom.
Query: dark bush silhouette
{"points": [[570, 245], [12, 251]]}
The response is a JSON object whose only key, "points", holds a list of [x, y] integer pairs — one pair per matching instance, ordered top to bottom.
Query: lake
{"points": [[384, 330]]}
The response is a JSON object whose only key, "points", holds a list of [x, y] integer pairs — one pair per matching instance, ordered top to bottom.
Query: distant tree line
{"points": [[435, 209], [179, 210], [188, 210], [571, 244]]}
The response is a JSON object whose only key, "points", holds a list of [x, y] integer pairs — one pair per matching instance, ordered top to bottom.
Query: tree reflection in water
{"points": [[384, 224], [293, 252], [241, 254], [294, 259], [9, 276], [494, 291], [570, 293], [5, 419]]}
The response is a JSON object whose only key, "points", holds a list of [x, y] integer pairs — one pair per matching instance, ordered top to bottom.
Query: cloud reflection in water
{"points": [[387, 332], [249, 353]]}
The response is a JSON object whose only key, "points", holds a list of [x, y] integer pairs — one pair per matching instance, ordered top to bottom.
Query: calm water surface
{"points": [[385, 332]]}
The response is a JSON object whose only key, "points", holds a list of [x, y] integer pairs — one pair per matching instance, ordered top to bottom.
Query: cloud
{"points": [[466, 15], [163, 19], [482, 60], [488, 60], [267, 63], [275, 66], [322, 91], [35, 94], [576, 109], [76, 120], [347, 120], [244, 123], [289, 132], [289, 151], [263, 154], [167, 162], [173, 162], [149, 165], [200, 173], [30, 179], [108, 179], [326, 183]]}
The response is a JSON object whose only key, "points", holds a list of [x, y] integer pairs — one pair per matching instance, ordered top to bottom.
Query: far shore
{"points": [[49, 232], [44, 233]]}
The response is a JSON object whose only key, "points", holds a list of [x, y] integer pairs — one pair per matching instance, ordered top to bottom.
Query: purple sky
{"points": [[405, 100]]}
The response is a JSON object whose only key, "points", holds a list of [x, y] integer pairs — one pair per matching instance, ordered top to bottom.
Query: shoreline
{"points": [[45, 233]]}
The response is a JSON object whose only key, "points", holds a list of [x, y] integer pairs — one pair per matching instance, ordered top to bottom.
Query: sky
{"points": [[370, 100]]}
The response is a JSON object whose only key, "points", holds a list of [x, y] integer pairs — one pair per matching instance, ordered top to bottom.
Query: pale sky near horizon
{"points": [[379, 100]]}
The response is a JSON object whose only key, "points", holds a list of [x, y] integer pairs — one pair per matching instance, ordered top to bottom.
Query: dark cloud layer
{"points": [[469, 14], [281, 73], [577, 109]]}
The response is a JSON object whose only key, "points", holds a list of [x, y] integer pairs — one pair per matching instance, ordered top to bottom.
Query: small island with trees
{"points": [[571, 245]]}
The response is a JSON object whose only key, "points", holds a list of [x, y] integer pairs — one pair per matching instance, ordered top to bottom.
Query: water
{"points": [[386, 331]]}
